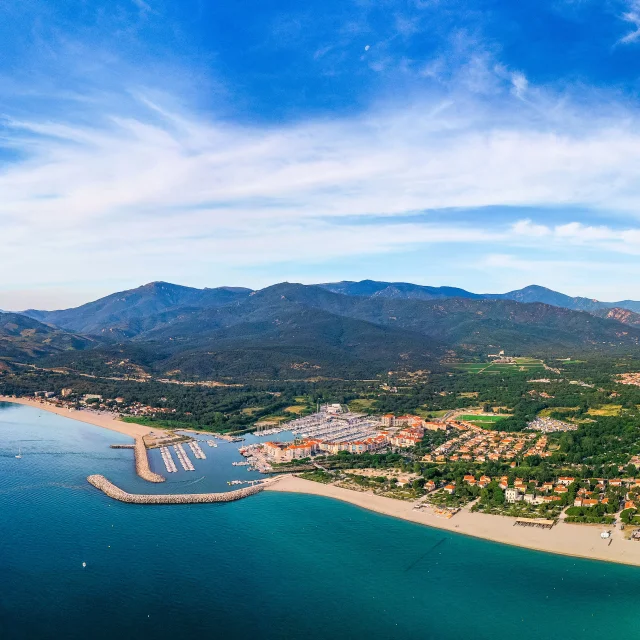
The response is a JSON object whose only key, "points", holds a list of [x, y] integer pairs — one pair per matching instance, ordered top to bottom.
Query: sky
{"points": [[488, 145]]}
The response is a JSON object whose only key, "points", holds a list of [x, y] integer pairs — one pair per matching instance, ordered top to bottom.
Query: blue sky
{"points": [[488, 145]]}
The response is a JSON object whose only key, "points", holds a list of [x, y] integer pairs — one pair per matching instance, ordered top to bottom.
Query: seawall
{"points": [[110, 489]]}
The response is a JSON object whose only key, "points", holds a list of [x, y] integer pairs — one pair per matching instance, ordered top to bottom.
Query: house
{"points": [[388, 420], [566, 480], [430, 485], [450, 489], [561, 489], [512, 495]]}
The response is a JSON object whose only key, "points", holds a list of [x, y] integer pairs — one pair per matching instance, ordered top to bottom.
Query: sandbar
{"points": [[582, 541]]}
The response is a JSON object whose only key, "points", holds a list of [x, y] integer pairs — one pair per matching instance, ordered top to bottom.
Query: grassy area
{"points": [[361, 404], [296, 408], [606, 410], [249, 411], [545, 413], [274, 419], [483, 420], [318, 476]]}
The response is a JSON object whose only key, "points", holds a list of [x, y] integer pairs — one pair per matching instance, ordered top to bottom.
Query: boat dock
{"points": [[212, 443], [168, 460], [187, 465], [109, 489]]}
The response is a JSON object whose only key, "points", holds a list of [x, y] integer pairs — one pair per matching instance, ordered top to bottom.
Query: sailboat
{"points": [[19, 453]]}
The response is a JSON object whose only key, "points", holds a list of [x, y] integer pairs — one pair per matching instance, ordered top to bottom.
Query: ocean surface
{"points": [[271, 566]]}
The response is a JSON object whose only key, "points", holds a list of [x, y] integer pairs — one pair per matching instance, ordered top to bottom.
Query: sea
{"points": [[77, 564]]}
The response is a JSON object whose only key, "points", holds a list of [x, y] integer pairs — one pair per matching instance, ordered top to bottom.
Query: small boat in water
{"points": [[19, 453]]}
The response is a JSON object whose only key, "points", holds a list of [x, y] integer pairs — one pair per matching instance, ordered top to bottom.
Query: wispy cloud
{"points": [[632, 16], [172, 186]]}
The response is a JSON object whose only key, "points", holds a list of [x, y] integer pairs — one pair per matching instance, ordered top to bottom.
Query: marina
{"points": [[332, 424], [212, 443], [197, 450], [168, 460], [187, 465]]}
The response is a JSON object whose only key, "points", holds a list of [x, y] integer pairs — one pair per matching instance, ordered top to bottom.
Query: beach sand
{"points": [[107, 421], [582, 541]]}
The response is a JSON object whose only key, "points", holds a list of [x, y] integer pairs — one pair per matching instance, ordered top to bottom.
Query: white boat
{"points": [[19, 453], [84, 564]]}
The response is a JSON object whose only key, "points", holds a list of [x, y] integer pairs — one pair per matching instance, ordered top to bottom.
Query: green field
{"points": [[483, 420]]}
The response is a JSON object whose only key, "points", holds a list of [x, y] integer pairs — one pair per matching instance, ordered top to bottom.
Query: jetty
{"points": [[142, 463], [110, 489]]}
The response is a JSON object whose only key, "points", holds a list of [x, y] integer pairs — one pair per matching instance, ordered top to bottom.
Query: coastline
{"points": [[106, 421], [563, 539]]}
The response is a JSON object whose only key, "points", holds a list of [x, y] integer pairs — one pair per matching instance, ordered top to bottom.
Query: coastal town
{"points": [[437, 478]]}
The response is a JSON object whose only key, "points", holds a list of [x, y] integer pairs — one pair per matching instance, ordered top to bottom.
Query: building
{"points": [[388, 420], [287, 452], [512, 495]]}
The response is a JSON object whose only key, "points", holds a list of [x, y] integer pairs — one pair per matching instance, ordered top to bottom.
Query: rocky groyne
{"points": [[142, 463], [110, 489]]}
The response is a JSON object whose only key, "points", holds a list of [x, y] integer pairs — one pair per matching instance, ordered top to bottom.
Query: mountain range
{"points": [[344, 329]]}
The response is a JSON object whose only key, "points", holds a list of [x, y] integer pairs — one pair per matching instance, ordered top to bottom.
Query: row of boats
{"points": [[197, 451], [169, 464], [187, 465]]}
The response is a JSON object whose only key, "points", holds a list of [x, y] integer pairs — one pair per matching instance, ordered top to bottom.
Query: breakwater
{"points": [[123, 446], [142, 463], [110, 489]]}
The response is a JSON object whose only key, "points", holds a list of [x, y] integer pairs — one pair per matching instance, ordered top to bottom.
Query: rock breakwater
{"points": [[110, 489]]}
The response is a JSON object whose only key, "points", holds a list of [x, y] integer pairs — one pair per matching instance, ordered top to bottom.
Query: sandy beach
{"points": [[106, 421], [581, 541]]}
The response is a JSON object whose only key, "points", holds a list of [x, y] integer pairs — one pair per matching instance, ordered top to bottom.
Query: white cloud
{"points": [[632, 15], [164, 194]]}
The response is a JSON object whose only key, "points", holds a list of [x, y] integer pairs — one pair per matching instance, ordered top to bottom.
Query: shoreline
{"points": [[106, 421], [563, 539]]}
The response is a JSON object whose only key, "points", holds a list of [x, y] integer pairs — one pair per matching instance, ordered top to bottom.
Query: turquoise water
{"points": [[272, 566]]}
